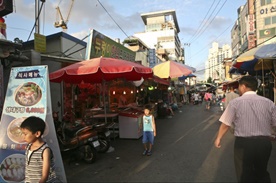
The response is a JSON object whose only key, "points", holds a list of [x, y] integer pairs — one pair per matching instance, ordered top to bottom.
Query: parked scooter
{"points": [[222, 104], [103, 133], [83, 141]]}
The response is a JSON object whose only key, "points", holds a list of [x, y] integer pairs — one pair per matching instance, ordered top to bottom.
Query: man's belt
{"points": [[271, 138]]}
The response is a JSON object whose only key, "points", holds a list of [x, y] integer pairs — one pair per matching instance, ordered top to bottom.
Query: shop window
{"points": [[274, 20], [267, 21]]}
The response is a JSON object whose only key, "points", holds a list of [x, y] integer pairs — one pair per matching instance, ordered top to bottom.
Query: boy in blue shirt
{"points": [[149, 131]]}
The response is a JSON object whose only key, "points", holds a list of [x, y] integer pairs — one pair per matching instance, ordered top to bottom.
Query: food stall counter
{"points": [[129, 121]]}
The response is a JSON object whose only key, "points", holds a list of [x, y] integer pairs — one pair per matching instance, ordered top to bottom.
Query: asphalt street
{"points": [[183, 152]]}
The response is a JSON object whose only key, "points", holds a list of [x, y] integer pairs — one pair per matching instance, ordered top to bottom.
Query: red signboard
{"points": [[251, 23], [251, 41]]}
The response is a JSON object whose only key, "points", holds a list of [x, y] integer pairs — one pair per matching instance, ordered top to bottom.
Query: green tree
{"points": [[17, 40], [209, 80]]}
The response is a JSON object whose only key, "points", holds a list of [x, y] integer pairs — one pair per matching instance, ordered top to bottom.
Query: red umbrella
{"points": [[98, 69]]}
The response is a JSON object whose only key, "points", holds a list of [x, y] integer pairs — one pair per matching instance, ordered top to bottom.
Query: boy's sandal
{"points": [[145, 152]]}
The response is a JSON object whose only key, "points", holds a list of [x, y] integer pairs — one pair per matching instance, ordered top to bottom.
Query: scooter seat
{"points": [[71, 132]]}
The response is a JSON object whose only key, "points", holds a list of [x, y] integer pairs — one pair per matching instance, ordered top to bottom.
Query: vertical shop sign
{"points": [[251, 26], [152, 58], [28, 94]]}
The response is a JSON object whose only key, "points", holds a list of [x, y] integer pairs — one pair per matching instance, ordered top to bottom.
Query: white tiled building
{"points": [[161, 33], [214, 64]]}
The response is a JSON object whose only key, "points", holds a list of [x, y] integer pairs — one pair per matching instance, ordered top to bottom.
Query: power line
{"points": [[112, 19], [210, 21], [199, 27], [16, 28], [200, 30], [212, 41], [75, 45], [208, 68]]}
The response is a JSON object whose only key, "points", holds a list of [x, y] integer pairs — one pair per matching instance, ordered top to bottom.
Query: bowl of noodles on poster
{"points": [[28, 94], [14, 131], [12, 168]]}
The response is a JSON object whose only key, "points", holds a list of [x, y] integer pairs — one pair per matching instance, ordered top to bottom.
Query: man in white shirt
{"points": [[254, 117]]}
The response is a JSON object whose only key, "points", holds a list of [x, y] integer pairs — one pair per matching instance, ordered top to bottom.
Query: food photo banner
{"points": [[28, 94]]}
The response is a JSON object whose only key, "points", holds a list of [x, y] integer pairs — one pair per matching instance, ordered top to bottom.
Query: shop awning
{"points": [[258, 58], [101, 69], [160, 80], [234, 82]]}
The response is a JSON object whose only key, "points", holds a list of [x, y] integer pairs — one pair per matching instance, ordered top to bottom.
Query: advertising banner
{"points": [[100, 45], [28, 94]]}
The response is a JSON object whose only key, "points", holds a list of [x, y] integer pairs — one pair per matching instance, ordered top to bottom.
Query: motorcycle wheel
{"points": [[104, 144], [89, 154]]}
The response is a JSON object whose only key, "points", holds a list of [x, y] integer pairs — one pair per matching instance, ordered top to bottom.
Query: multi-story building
{"points": [[265, 21], [256, 25], [161, 34], [236, 34], [144, 55], [216, 57]]}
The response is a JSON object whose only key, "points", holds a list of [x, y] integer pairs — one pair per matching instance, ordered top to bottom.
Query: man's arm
{"points": [[222, 130]]}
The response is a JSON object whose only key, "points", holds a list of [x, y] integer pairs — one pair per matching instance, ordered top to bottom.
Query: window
{"points": [[265, 2], [270, 20], [274, 20], [267, 21]]}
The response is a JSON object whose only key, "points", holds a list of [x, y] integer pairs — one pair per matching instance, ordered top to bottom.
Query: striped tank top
{"points": [[34, 164]]}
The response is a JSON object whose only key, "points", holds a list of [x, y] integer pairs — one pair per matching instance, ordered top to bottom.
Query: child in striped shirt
{"points": [[40, 166]]}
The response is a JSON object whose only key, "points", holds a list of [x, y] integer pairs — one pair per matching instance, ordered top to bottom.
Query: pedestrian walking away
{"points": [[196, 96], [230, 96], [208, 99], [254, 117], [149, 131]]}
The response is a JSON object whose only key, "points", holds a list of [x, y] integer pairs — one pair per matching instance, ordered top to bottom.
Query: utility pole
{"points": [[37, 3], [37, 16], [184, 54]]}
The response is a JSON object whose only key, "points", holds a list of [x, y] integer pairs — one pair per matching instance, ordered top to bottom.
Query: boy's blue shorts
{"points": [[148, 136]]}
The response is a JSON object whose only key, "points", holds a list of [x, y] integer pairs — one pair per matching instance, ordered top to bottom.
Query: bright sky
{"points": [[201, 22]]}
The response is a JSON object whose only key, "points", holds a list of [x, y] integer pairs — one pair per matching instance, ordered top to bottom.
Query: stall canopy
{"points": [[256, 59], [98, 69], [172, 69], [185, 77], [160, 80], [233, 83]]}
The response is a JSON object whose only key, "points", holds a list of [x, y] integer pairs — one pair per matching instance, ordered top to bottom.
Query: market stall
{"points": [[260, 62], [99, 71], [92, 89]]}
